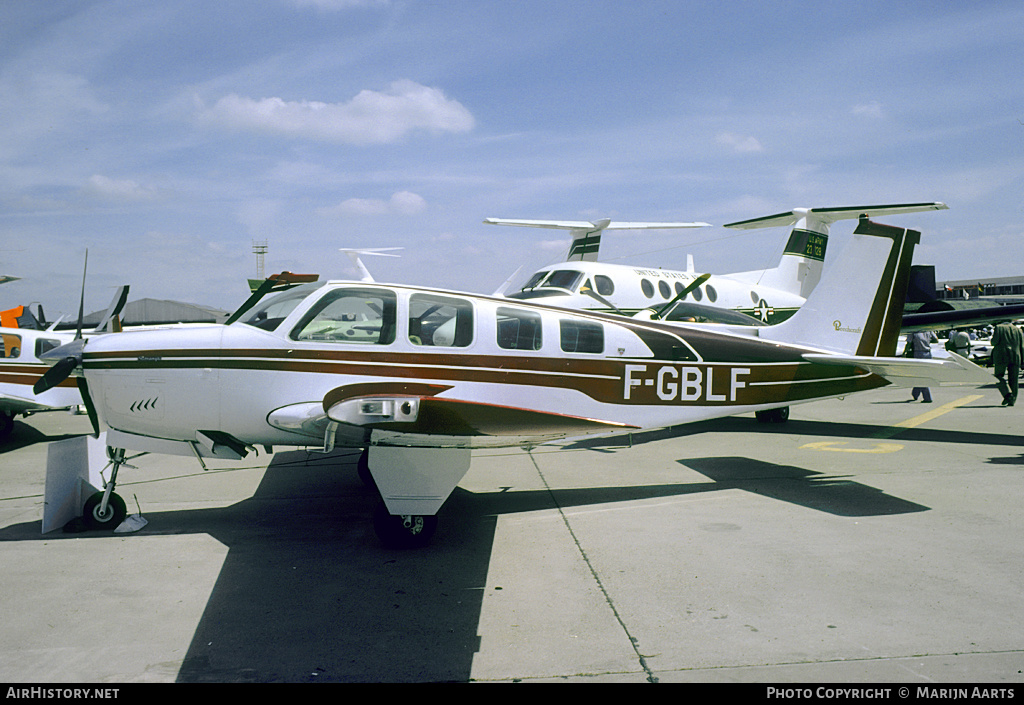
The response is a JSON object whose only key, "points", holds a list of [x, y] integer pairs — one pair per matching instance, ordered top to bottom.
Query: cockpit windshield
{"points": [[559, 279], [269, 313]]}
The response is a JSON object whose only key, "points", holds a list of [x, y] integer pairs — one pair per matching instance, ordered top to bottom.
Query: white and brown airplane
{"points": [[769, 295], [419, 377]]}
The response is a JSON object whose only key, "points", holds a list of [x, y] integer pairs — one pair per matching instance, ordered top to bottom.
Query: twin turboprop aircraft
{"points": [[769, 296], [419, 377]]}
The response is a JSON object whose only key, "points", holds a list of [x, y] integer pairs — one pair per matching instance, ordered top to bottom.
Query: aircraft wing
{"points": [[960, 318], [913, 372], [19, 405], [417, 408]]}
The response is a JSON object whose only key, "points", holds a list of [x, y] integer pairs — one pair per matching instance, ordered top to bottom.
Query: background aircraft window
{"points": [[564, 279], [605, 286], [647, 288], [664, 289], [679, 290], [697, 294], [712, 294], [755, 297], [272, 310], [364, 316], [440, 320], [518, 330], [581, 336], [11, 345], [45, 345]]}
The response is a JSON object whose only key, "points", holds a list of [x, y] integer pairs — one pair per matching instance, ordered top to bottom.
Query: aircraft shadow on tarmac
{"points": [[834, 429], [24, 435], [306, 593]]}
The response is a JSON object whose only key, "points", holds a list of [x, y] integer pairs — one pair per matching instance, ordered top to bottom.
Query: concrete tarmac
{"points": [[867, 540]]}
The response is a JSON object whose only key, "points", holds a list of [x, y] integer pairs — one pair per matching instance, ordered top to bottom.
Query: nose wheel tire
{"points": [[109, 519]]}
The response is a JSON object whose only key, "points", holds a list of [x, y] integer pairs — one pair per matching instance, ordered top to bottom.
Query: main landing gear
{"points": [[393, 479], [405, 531]]}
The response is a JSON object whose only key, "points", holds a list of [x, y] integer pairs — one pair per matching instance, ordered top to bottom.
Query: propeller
{"points": [[600, 299], [661, 312], [68, 357]]}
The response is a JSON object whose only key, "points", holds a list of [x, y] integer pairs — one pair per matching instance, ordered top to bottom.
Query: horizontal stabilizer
{"points": [[830, 215], [605, 224], [587, 234], [913, 372]]}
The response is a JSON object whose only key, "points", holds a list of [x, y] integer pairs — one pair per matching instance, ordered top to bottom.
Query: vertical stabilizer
{"points": [[857, 308]]}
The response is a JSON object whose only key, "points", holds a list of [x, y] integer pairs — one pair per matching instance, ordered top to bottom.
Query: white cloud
{"points": [[870, 110], [371, 117], [739, 143], [118, 189], [401, 203]]}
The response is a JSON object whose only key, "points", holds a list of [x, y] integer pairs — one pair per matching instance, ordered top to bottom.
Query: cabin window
{"points": [[605, 286], [647, 288], [664, 289], [679, 290], [697, 294], [712, 294], [365, 316], [440, 321], [518, 330], [581, 336], [10, 345]]}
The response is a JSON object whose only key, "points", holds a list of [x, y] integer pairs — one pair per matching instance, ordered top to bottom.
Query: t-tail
{"points": [[803, 259], [857, 309]]}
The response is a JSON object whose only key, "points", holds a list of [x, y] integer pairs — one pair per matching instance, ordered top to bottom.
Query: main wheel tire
{"points": [[780, 415], [363, 469], [111, 518], [411, 531]]}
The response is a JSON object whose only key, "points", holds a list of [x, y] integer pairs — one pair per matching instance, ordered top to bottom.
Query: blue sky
{"points": [[167, 137]]}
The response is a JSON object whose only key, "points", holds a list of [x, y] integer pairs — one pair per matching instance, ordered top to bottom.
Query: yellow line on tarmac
{"points": [[925, 417], [892, 431]]}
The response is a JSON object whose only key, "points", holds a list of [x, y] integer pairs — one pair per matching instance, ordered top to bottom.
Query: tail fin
{"points": [[586, 235], [800, 267], [857, 308]]}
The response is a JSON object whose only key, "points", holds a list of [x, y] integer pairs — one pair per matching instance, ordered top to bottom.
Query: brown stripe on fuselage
{"points": [[28, 375], [603, 379]]}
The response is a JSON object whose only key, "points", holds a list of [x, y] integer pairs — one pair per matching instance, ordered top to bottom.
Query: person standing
{"points": [[959, 342], [919, 344], [1007, 353]]}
